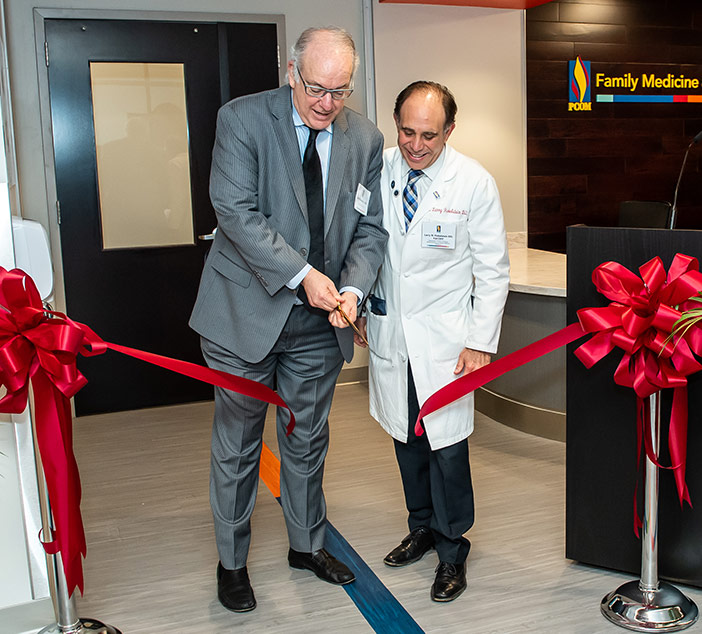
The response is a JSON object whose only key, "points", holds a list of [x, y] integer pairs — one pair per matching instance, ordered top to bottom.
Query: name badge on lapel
{"points": [[362, 200], [438, 235]]}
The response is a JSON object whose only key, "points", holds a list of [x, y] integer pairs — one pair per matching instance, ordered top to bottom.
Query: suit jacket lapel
{"points": [[281, 109], [337, 166]]}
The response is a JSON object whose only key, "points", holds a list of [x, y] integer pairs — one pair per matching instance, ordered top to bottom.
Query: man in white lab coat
{"points": [[434, 314]]}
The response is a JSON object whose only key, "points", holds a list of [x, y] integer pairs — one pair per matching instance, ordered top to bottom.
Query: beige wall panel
{"points": [[478, 54]]}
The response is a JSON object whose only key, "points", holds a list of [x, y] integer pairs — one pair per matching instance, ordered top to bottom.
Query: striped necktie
{"points": [[410, 200]]}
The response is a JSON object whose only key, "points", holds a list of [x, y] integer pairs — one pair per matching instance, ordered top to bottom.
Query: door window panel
{"points": [[143, 161]]}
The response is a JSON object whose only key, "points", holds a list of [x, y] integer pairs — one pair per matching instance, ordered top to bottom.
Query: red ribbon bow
{"points": [[639, 320], [42, 346]]}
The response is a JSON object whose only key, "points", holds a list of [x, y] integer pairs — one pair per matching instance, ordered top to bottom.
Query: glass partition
{"points": [[143, 162]]}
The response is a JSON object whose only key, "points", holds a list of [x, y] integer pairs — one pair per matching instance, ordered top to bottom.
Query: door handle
{"points": [[208, 236]]}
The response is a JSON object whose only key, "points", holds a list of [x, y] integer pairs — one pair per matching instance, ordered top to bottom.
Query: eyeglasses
{"points": [[337, 94]]}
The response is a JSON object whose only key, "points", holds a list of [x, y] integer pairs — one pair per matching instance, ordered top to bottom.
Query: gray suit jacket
{"points": [[262, 241]]}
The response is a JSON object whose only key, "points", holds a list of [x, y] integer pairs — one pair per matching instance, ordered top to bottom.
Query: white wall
{"points": [[479, 55]]}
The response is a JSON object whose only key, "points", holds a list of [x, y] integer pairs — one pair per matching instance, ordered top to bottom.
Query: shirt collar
{"points": [[297, 119], [431, 172]]}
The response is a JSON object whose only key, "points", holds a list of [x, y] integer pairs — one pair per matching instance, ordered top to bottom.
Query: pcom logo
{"points": [[579, 85]]}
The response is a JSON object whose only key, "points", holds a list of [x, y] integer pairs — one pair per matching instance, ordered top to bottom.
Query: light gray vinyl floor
{"points": [[151, 558]]}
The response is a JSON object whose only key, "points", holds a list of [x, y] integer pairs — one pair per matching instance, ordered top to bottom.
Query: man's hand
{"points": [[320, 290], [348, 305], [361, 325], [470, 360]]}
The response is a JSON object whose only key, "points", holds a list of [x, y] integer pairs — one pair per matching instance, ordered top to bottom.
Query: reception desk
{"points": [[531, 398], [602, 461]]}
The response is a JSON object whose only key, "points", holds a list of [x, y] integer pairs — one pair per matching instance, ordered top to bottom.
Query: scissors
{"points": [[350, 323]]}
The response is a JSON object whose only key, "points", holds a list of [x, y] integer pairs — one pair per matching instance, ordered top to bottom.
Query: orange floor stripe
{"points": [[270, 470], [375, 602]]}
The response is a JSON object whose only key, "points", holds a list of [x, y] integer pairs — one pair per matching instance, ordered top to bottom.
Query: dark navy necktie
{"points": [[312, 171], [314, 190]]}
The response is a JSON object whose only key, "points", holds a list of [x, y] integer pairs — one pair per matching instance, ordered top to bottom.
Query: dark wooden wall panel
{"points": [[581, 165]]}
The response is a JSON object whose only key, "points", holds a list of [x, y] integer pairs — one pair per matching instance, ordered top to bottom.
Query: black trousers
{"points": [[438, 487]]}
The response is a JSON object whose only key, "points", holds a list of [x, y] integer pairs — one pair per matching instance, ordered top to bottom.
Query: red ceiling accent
{"points": [[496, 4]]}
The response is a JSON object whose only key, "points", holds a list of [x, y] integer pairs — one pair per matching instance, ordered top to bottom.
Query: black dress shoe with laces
{"points": [[412, 548], [321, 563], [450, 581], [234, 589]]}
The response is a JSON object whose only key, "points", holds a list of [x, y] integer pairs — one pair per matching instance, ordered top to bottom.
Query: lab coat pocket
{"points": [[449, 333], [383, 336]]}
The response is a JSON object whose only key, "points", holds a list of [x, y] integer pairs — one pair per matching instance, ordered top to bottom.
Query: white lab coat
{"points": [[438, 300]]}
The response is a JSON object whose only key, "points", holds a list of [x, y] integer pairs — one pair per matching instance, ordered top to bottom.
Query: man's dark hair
{"points": [[447, 99]]}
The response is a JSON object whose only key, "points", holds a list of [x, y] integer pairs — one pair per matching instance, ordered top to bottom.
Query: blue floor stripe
{"points": [[374, 601]]}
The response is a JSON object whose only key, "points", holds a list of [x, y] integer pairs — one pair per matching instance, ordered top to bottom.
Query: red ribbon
{"points": [[638, 320], [42, 346], [471, 382]]}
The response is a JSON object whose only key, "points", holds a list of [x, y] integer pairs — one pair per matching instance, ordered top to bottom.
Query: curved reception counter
{"points": [[531, 398]]}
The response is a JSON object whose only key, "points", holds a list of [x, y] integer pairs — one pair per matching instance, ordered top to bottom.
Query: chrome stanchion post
{"points": [[649, 536], [650, 604], [67, 621]]}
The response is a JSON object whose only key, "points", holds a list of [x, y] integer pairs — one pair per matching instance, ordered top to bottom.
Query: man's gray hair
{"points": [[339, 35]]}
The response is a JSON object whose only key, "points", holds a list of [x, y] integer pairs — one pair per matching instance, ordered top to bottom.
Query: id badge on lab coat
{"points": [[438, 235]]}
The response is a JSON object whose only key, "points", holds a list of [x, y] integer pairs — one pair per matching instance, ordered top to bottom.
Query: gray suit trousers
{"points": [[304, 365]]}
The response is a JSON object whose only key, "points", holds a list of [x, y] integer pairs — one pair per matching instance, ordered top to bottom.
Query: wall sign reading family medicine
{"points": [[580, 81], [647, 81]]}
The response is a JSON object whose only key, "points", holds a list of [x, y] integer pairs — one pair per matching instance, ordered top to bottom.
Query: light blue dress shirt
{"points": [[323, 143]]}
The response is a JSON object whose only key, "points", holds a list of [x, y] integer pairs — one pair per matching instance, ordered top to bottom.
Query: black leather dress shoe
{"points": [[412, 548], [322, 564], [450, 581], [234, 589]]}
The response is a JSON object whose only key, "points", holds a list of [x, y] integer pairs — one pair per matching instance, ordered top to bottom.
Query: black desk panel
{"points": [[601, 469]]}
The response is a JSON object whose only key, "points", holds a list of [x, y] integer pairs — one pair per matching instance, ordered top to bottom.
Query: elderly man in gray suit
{"points": [[295, 184]]}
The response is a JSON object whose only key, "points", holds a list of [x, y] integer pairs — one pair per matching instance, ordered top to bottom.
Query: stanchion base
{"points": [[663, 610], [84, 626]]}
